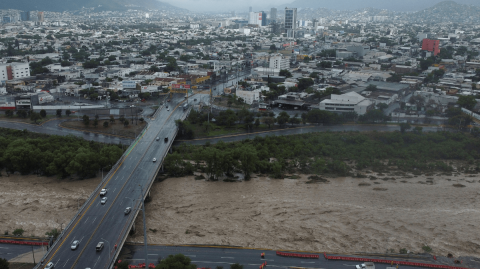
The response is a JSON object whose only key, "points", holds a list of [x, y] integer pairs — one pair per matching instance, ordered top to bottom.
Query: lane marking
{"points": [[94, 219], [86, 220], [227, 257], [96, 261], [65, 263]]}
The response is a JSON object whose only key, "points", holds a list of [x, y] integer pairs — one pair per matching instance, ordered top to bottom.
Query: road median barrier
{"points": [[295, 255], [416, 264]]}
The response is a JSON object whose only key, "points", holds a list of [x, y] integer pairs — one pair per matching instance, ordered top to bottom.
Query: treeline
{"points": [[251, 120], [26, 152], [327, 152]]}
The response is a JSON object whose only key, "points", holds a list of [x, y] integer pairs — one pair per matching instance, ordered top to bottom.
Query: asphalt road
{"points": [[301, 130], [126, 187], [10, 251], [212, 257]]}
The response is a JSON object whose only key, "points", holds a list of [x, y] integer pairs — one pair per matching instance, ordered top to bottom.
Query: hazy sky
{"points": [[224, 5], [258, 5]]}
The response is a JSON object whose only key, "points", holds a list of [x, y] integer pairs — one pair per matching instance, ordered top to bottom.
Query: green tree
{"points": [[285, 73], [304, 83], [371, 88], [467, 102], [59, 112], [68, 112], [43, 113], [34, 116], [282, 118], [86, 120], [269, 121], [95, 122], [257, 122], [126, 123], [105, 124], [404, 127], [247, 155], [18, 232], [53, 233], [179, 261], [4, 264], [123, 265]]}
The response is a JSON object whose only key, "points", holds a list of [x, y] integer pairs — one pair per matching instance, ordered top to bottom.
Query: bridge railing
{"points": [[89, 199], [137, 205]]}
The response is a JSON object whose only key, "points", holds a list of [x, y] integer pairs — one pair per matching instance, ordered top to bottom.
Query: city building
{"points": [[250, 9], [273, 14], [25, 15], [41, 16], [258, 18], [7, 19], [290, 21], [431, 46], [279, 62], [14, 71], [248, 96], [344, 103]]}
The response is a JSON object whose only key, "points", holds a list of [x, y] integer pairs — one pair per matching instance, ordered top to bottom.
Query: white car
{"points": [[154, 159], [103, 192], [104, 200], [75, 244], [49, 265], [360, 266]]}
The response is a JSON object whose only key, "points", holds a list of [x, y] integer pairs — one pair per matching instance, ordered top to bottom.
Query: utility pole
{"points": [[33, 253]]}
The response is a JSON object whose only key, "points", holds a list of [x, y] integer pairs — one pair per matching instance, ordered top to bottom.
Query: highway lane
{"points": [[302, 130], [106, 222], [212, 257]]}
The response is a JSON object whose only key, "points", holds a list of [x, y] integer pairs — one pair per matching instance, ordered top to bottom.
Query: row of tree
{"points": [[26, 152], [326, 153]]}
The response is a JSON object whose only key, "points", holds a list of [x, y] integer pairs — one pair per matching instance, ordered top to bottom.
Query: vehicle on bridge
{"points": [[154, 159], [103, 192], [104, 200], [127, 210], [75, 244], [99, 246], [49, 265]]}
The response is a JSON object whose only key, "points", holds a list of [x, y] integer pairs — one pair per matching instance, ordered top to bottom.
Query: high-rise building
{"points": [[250, 9], [233, 13], [273, 14], [25, 15], [41, 16], [258, 18], [7, 19], [290, 21], [431, 45]]}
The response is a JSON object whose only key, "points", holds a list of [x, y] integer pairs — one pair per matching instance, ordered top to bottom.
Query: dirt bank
{"points": [[39, 204], [339, 216]]}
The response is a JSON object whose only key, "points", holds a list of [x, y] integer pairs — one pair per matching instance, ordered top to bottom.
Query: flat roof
{"points": [[290, 102]]}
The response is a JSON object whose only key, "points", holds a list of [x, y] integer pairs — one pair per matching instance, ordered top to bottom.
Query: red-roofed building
{"points": [[431, 45]]}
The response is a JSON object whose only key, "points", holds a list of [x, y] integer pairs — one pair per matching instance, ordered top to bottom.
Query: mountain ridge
{"points": [[71, 5], [405, 5]]}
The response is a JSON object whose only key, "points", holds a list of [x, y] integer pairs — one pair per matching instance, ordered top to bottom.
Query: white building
{"points": [[279, 62], [14, 71], [248, 96], [348, 102]]}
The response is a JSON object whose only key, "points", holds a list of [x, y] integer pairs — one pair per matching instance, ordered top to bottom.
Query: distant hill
{"points": [[64, 5], [404, 5], [448, 10]]}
